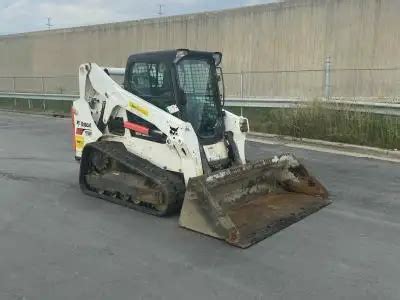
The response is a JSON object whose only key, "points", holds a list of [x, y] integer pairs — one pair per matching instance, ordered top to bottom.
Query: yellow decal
{"points": [[139, 108], [79, 142]]}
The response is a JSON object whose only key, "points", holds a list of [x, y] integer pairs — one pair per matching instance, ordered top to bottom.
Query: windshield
{"points": [[198, 81]]}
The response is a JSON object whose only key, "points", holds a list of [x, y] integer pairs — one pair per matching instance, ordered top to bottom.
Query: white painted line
{"points": [[350, 147], [324, 149]]}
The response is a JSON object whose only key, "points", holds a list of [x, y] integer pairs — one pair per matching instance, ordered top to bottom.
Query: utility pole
{"points": [[160, 9], [160, 13], [49, 25], [327, 85]]}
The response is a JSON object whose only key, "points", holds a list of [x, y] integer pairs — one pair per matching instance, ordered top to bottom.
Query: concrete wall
{"points": [[295, 35]]}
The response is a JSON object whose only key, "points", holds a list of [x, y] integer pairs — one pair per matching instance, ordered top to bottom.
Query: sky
{"points": [[30, 15]]}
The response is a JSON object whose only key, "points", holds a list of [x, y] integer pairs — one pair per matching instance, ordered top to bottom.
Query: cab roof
{"points": [[166, 55]]}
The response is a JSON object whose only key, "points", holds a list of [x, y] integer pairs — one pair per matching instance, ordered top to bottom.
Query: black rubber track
{"points": [[171, 184]]}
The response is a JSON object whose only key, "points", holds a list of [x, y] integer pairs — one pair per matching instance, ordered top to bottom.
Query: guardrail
{"points": [[36, 96], [385, 108]]}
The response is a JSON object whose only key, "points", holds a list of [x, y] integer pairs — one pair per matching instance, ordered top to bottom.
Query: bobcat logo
{"points": [[173, 131]]}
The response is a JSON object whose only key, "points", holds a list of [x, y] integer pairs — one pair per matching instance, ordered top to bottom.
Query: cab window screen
{"points": [[152, 82]]}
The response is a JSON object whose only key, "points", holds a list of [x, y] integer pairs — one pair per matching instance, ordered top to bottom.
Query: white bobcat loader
{"points": [[163, 143]]}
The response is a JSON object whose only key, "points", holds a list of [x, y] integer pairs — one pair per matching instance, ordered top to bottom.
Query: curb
{"points": [[325, 146]]}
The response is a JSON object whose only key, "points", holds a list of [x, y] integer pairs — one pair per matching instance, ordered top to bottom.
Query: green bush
{"points": [[314, 121], [318, 122]]}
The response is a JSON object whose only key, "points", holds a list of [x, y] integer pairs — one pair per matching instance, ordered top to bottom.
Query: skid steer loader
{"points": [[163, 142]]}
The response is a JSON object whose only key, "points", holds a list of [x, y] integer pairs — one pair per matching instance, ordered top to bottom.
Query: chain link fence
{"points": [[44, 85]]}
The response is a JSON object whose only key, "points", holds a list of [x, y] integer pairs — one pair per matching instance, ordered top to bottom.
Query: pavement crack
{"points": [[12, 176], [25, 178]]}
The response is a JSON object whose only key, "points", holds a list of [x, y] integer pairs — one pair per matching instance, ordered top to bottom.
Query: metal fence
{"points": [[330, 82], [46, 84], [65, 84], [365, 84]]}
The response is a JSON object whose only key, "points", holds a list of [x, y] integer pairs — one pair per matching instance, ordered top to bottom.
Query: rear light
{"points": [[79, 131]]}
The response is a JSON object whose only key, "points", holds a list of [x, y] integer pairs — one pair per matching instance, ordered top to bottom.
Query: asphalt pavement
{"points": [[56, 243]]}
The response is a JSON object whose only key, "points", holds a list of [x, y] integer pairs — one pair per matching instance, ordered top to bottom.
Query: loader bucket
{"points": [[245, 204]]}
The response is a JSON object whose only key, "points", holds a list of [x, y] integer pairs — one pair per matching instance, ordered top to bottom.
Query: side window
{"points": [[139, 79], [153, 82]]}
